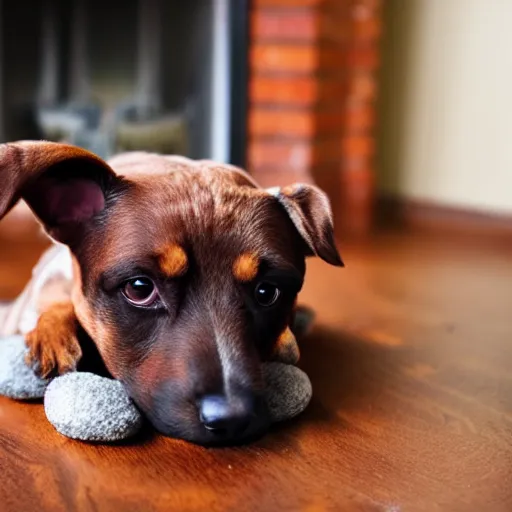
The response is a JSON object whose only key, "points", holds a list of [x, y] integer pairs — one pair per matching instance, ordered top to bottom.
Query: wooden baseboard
{"points": [[435, 217]]}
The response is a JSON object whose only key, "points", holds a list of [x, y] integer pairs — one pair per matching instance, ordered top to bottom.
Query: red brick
{"points": [[286, 3], [364, 9], [277, 25], [306, 25], [334, 27], [367, 30], [363, 57], [283, 58], [289, 58], [331, 58], [362, 87], [284, 90], [298, 90], [332, 91], [359, 117], [328, 121], [280, 122], [301, 123], [358, 146], [326, 152], [295, 155], [299, 156], [354, 164], [280, 177], [328, 178], [358, 184], [355, 208]]}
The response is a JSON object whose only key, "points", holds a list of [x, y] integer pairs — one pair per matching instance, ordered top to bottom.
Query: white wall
{"points": [[445, 130]]}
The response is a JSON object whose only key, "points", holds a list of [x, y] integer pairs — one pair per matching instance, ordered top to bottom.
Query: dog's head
{"points": [[186, 274]]}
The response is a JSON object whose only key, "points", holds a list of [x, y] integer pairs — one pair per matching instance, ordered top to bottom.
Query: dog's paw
{"points": [[53, 348]]}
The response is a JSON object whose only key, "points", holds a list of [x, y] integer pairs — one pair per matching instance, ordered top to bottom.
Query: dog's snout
{"points": [[226, 416]]}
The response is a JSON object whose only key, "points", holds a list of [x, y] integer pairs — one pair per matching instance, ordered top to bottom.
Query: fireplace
{"points": [[155, 75], [283, 88]]}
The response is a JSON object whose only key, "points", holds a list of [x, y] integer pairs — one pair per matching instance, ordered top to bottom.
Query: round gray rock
{"points": [[17, 380], [288, 391], [88, 407]]}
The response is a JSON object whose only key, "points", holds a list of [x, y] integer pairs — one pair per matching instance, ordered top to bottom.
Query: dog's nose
{"points": [[227, 417]]}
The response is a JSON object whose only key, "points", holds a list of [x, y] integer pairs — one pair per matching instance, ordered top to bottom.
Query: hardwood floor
{"points": [[410, 362]]}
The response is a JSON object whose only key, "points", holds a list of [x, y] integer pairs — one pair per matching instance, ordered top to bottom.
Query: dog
{"points": [[182, 276]]}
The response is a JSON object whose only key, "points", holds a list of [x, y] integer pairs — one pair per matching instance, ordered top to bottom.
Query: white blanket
{"points": [[20, 316]]}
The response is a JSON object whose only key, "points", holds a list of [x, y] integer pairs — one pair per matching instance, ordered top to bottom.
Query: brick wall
{"points": [[311, 98]]}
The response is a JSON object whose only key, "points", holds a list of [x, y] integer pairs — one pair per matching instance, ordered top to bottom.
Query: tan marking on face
{"points": [[173, 260], [245, 267], [286, 349]]}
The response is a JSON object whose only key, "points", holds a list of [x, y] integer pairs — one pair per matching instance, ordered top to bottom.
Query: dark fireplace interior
{"points": [[156, 75]]}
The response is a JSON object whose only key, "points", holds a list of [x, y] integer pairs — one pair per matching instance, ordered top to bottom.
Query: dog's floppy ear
{"points": [[65, 186], [310, 211]]}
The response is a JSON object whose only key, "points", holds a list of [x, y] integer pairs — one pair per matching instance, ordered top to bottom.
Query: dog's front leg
{"points": [[53, 344]]}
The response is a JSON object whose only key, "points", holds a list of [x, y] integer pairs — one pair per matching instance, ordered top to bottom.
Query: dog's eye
{"points": [[140, 291], [266, 294]]}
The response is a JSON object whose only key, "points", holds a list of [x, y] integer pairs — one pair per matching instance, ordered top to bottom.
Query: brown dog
{"points": [[185, 277]]}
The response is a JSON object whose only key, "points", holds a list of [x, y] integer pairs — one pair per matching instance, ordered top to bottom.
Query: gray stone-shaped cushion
{"points": [[17, 380], [288, 392], [88, 407]]}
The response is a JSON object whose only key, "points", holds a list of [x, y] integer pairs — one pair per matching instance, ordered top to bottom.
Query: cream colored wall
{"points": [[445, 132]]}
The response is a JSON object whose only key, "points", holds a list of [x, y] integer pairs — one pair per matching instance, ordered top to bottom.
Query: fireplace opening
{"points": [[155, 75]]}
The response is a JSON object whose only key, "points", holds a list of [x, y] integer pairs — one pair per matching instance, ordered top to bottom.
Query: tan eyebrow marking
{"points": [[173, 260], [245, 267]]}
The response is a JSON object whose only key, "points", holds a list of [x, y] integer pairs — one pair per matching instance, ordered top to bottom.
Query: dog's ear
{"points": [[65, 186], [310, 211]]}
